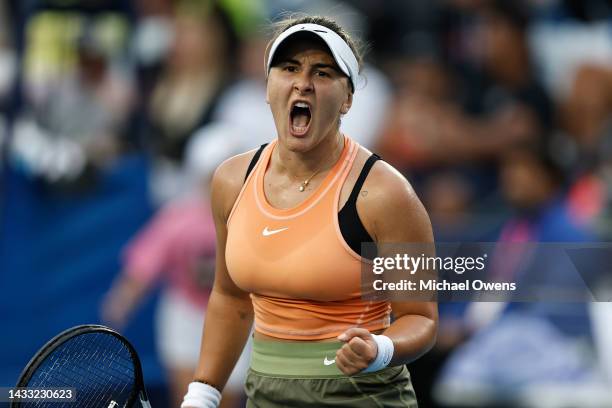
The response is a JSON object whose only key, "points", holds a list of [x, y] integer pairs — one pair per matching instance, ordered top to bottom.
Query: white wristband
{"points": [[384, 354], [200, 395]]}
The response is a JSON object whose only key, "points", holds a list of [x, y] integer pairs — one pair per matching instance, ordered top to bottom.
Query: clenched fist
{"points": [[358, 351]]}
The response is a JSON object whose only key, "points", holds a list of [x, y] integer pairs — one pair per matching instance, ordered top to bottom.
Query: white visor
{"points": [[342, 53]]}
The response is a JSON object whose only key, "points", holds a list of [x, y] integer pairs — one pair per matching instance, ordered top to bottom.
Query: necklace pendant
{"points": [[302, 187]]}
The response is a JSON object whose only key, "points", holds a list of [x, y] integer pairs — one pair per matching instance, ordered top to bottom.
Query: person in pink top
{"points": [[179, 243], [177, 247]]}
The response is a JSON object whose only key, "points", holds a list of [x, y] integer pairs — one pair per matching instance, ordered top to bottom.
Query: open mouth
{"points": [[300, 118]]}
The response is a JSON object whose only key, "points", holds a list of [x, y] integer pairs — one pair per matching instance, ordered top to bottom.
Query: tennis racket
{"points": [[98, 363]]}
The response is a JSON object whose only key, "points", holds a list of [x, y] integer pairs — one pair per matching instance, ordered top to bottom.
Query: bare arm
{"points": [[392, 213], [121, 300], [229, 315], [414, 330]]}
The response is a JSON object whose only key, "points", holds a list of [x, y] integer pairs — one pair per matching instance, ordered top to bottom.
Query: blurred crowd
{"points": [[499, 112]]}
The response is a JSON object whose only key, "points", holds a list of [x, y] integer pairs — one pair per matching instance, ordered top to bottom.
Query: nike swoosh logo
{"points": [[267, 232], [328, 362]]}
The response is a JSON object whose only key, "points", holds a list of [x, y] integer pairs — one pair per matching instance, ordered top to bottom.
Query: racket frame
{"points": [[49, 347]]}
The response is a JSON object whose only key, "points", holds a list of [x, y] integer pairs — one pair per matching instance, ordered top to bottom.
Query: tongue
{"points": [[300, 120]]}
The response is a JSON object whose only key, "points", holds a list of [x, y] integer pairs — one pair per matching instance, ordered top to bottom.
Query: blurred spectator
{"points": [[396, 26], [152, 35], [562, 46], [573, 46], [8, 59], [196, 72], [8, 73], [501, 83], [244, 103], [461, 108], [586, 114], [422, 119], [75, 121], [584, 144], [448, 199], [178, 245], [497, 365]]}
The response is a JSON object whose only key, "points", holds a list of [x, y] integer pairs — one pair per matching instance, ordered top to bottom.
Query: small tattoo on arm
{"points": [[364, 193]]}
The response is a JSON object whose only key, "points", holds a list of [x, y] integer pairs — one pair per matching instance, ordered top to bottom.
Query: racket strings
{"points": [[97, 365]]}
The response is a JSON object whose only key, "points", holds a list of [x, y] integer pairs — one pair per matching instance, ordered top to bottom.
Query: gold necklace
{"points": [[305, 182]]}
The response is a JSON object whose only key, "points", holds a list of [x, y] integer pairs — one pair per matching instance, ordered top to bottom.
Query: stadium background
{"points": [[89, 151]]}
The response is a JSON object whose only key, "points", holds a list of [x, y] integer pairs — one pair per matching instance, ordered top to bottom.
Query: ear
{"points": [[267, 93], [346, 106]]}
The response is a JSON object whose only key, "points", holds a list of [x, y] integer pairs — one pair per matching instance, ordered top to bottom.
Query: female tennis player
{"points": [[290, 221]]}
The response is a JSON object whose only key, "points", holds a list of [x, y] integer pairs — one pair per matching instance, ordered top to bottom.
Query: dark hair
{"points": [[514, 12], [280, 26], [540, 152]]}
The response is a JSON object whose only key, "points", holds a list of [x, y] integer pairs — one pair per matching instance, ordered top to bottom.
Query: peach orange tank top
{"points": [[303, 278]]}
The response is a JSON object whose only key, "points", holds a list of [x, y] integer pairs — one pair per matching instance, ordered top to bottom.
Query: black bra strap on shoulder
{"points": [[254, 160], [362, 176]]}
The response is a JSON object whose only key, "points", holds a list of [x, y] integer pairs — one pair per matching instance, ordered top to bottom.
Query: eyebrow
{"points": [[318, 65], [330, 66]]}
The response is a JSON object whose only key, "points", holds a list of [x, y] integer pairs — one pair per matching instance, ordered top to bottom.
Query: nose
{"points": [[303, 83]]}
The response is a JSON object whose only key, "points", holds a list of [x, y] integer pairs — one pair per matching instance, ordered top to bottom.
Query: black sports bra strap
{"points": [[254, 160], [362, 176]]}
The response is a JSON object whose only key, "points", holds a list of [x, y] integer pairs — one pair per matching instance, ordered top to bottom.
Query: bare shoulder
{"points": [[384, 181], [227, 182], [391, 207]]}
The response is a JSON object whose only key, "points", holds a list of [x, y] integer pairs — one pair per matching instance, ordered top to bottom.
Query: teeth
{"points": [[301, 105]]}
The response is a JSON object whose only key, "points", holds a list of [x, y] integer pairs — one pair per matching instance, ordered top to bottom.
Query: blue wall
{"points": [[59, 253]]}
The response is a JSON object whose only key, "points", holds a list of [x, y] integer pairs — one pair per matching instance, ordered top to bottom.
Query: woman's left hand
{"points": [[358, 351]]}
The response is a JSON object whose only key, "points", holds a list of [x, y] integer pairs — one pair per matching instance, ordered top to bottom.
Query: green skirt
{"points": [[302, 374]]}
